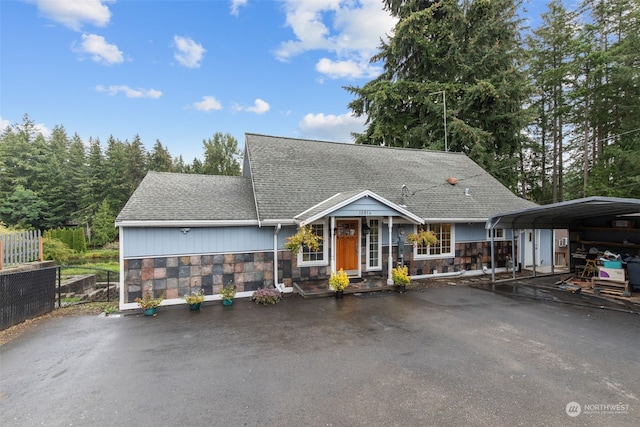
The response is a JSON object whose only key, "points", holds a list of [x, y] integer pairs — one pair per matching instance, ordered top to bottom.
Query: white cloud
{"points": [[236, 5], [75, 13], [350, 30], [100, 51], [189, 53], [346, 69], [129, 92], [208, 103], [259, 107], [4, 123], [39, 127], [331, 127]]}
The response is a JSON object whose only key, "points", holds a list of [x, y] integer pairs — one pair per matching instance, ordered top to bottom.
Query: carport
{"points": [[578, 215]]}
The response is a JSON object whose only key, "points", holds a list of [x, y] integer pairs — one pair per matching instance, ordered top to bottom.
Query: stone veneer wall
{"points": [[468, 256], [177, 276]]}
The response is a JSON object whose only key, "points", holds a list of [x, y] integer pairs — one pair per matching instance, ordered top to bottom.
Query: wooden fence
{"points": [[20, 247]]}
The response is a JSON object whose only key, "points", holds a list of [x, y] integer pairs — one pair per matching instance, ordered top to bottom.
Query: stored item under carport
{"points": [[633, 269]]}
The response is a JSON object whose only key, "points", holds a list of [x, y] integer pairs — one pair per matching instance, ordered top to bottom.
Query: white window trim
{"points": [[496, 238], [325, 248], [449, 254], [379, 266]]}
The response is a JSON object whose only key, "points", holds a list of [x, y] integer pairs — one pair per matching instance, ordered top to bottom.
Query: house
{"points": [[182, 232]]}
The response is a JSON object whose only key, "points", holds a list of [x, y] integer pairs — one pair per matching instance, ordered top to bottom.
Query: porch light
{"points": [[365, 227]]}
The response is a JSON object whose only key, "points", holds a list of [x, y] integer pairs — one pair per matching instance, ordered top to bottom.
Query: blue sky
{"points": [[179, 71]]}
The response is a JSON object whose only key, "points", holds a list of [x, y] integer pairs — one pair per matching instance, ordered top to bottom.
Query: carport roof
{"points": [[565, 214]]}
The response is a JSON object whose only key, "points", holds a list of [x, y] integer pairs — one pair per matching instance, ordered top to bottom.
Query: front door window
{"points": [[347, 242]]}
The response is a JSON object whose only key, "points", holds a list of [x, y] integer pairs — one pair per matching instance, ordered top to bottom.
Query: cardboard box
{"points": [[613, 274]]}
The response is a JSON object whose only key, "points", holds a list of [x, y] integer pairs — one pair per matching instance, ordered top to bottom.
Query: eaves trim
{"points": [[195, 223]]}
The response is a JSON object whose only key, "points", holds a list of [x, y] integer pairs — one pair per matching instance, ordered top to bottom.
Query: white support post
{"points": [[333, 244], [513, 251], [390, 259]]}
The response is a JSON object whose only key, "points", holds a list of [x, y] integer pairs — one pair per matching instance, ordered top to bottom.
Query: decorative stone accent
{"points": [[175, 277]]}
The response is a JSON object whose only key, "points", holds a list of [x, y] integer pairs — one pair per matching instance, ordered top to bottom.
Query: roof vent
{"points": [[451, 180], [466, 192]]}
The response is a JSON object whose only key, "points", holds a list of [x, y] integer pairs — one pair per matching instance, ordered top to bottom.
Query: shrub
{"points": [[56, 250], [400, 275], [339, 280], [266, 296]]}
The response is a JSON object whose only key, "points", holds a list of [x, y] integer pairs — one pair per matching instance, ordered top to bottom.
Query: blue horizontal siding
{"points": [[365, 207], [143, 241]]}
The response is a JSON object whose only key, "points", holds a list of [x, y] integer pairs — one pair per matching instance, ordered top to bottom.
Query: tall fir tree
{"points": [[465, 53], [160, 158]]}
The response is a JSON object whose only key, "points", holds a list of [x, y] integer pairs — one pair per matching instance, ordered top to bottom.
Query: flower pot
{"points": [[401, 288], [339, 294], [227, 302], [195, 306], [150, 311]]}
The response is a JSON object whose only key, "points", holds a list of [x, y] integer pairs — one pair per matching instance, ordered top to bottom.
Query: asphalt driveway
{"points": [[446, 356]]}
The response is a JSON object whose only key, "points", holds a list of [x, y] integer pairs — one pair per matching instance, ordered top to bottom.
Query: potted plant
{"points": [[303, 237], [422, 238], [400, 277], [338, 282], [228, 293], [266, 296], [194, 299], [149, 304]]}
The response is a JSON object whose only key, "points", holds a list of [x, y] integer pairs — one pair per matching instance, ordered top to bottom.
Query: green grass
{"points": [[101, 253], [95, 262]]}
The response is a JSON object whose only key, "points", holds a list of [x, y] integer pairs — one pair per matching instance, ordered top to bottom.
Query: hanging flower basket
{"points": [[303, 237], [422, 238]]}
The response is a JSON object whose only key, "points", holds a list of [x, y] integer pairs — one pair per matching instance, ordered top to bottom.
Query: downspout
{"points": [[390, 258], [279, 286]]}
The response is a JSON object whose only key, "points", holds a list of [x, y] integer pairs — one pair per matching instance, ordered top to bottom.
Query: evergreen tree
{"points": [[465, 52], [552, 68], [221, 155], [160, 159], [136, 165], [77, 176], [116, 182], [55, 186], [94, 189], [24, 209], [103, 227]]}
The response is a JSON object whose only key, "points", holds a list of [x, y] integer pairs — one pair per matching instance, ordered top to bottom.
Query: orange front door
{"points": [[347, 240]]}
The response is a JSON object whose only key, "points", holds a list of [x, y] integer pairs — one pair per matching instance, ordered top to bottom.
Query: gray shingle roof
{"points": [[291, 175], [163, 196]]}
